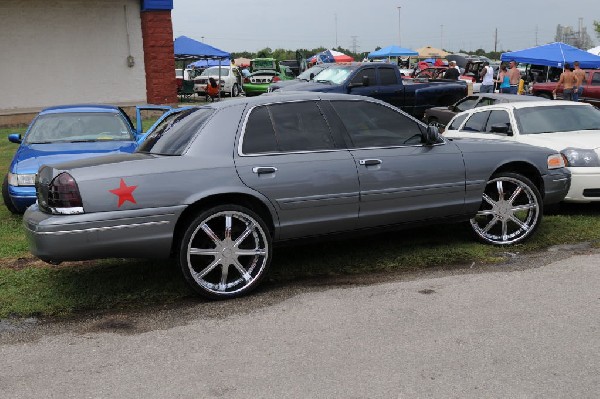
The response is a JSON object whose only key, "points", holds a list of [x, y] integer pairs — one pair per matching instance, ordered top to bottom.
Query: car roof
{"points": [[509, 97], [531, 104], [80, 108]]}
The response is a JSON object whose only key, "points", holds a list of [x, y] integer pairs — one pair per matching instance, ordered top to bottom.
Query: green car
{"points": [[264, 71]]}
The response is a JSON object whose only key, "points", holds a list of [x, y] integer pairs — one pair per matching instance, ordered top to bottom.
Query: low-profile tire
{"points": [[235, 90], [6, 197], [510, 212], [225, 252]]}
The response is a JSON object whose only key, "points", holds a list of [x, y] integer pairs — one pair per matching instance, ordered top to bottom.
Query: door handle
{"points": [[370, 162], [259, 170]]}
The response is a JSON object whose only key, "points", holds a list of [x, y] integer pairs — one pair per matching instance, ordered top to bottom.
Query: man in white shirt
{"points": [[487, 74]]}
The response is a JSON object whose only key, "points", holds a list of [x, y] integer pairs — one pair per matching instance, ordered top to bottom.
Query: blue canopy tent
{"points": [[187, 49], [392, 51], [554, 55], [208, 63]]}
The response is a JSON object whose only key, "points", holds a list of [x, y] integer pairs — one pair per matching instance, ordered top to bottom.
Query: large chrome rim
{"points": [[509, 212], [227, 253]]}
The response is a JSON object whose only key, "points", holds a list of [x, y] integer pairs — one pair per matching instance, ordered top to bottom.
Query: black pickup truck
{"points": [[384, 82]]}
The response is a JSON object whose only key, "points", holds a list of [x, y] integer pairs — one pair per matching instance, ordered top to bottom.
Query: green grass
{"points": [[35, 289]]}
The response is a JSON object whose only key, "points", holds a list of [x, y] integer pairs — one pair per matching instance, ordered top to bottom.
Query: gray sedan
{"points": [[219, 184]]}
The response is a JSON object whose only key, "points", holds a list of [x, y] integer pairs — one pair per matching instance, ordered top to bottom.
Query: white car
{"points": [[231, 80], [569, 127]]}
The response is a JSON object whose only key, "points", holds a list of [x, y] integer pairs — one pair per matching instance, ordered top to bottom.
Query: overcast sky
{"points": [[250, 25]]}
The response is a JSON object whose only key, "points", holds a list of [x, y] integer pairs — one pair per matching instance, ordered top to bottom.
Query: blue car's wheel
{"points": [[6, 197], [225, 252]]}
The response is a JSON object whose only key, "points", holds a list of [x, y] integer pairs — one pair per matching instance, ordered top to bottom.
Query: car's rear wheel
{"points": [[235, 91], [6, 197], [510, 212], [225, 252]]}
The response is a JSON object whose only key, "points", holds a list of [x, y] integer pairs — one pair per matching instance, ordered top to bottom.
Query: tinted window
{"points": [[367, 72], [387, 76], [596, 79], [486, 101], [467, 103], [498, 118], [557, 118], [457, 122], [476, 122], [374, 125], [300, 126], [259, 136], [173, 138]]}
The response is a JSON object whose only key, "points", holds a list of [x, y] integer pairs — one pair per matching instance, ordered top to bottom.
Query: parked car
{"points": [[263, 72], [230, 80], [384, 82], [591, 88], [440, 116], [569, 127], [63, 133], [216, 189]]}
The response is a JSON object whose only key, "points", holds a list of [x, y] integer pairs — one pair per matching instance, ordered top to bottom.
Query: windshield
{"points": [[262, 64], [214, 71], [306, 74], [334, 75], [559, 118], [78, 127], [174, 133]]}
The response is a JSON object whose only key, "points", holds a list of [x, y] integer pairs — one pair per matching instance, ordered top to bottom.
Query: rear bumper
{"points": [[556, 186], [142, 233]]}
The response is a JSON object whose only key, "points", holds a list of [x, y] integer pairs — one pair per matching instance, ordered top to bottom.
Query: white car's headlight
{"points": [[579, 157], [15, 179]]}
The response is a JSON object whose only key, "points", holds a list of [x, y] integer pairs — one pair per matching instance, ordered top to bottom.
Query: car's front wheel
{"points": [[6, 197], [510, 212], [225, 252]]}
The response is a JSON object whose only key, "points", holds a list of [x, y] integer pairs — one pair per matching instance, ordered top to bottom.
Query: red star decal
{"points": [[124, 192]]}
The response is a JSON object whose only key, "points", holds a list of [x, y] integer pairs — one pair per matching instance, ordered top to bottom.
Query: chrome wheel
{"points": [[235, 91], [510, 211], [225, 252]]}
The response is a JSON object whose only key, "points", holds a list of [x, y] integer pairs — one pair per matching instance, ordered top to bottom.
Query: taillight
{"points": [[275, 79], [246, 80], [64, 196]]}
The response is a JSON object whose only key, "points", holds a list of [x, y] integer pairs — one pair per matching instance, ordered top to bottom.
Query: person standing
{"points": [[452, 72], [487, 74], [514, 75], [504, 80], [567, 80], [579, 81]]}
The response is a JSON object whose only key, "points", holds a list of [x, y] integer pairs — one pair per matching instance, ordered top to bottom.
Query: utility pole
{"points": [[399, 35], [496, 41], [336, 42], [354, 45]]}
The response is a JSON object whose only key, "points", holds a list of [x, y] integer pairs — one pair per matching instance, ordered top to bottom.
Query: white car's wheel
{"points": [[235, 91], [225, 252]]}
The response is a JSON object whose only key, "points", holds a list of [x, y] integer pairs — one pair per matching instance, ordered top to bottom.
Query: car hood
{"points": [[312, 86], [585, 139], [29, 158]]}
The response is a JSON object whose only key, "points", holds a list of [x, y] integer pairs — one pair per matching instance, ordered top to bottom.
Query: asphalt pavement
{"points": [[524, 329]]}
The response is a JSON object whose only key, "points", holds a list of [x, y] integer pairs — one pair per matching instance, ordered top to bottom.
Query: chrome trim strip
{"points": [[100, 229]]}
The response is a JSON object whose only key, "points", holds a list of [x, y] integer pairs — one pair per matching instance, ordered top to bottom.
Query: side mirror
{"points": [[312, 76], [501, 128], [432, 135], [15, 138]]}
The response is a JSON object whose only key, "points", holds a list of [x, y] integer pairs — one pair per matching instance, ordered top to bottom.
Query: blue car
{"points": [[65, 133]]}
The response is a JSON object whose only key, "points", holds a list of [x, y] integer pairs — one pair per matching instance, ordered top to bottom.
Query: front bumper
{"points": [[556, 185], [585, 185], [22, 196], [141, 233]]}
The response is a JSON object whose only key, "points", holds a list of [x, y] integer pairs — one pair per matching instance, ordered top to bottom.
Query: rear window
{"points": [[173, 136]]}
